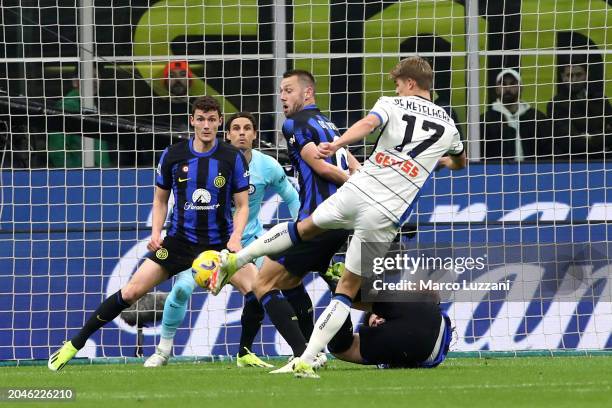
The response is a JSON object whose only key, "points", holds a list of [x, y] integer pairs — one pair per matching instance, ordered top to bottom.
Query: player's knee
{"points": [[308, 229], [244, 278], [349, 284], [261, 287], [131, 293], [182, 293]]}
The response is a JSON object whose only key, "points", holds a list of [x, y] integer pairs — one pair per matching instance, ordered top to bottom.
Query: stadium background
{"points": [[70, 237]]}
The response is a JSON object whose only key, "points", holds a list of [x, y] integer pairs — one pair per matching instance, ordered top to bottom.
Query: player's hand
{"points": [[326, 149], [444, 161], [155, 243], [234, 244], [376, 320]]}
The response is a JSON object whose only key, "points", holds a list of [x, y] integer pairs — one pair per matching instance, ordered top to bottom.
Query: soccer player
{"points": [[304, 129], [415, 137], [265, 174], [204, 175], [396, 335]]}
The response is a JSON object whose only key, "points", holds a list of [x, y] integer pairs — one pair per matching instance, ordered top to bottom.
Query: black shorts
{"points": [[176, 255], [313, 255], [407, 337]]}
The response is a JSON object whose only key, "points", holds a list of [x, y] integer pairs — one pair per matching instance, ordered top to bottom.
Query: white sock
{"points": [[274, 241], [326, 326], [165, 345]]}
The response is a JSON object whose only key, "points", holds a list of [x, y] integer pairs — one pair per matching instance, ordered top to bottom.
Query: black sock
{"points": [[301, 303], [106, 312], [282, 315], [252, 316], [343, 339]]}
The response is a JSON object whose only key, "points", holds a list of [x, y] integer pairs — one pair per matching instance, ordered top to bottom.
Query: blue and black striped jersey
{"points": [[303, 127], [202, 185]]}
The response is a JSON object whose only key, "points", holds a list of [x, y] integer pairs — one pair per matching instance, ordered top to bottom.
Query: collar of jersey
{"points": [[425, 99], [311, 106], [255, 153], [205, 154]]}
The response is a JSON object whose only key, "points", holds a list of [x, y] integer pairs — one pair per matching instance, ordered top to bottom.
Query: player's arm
{"points": [[355, 133], [301, 139], [456, 158], [453, 162], [353, 163], [328, 171], [163, 182], [283, 187], [240, 194], [160, 211], [241, 216], [345, 344], [353, 353]]}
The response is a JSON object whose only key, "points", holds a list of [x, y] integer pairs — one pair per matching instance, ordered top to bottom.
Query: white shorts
{"points": [[347, 210]]}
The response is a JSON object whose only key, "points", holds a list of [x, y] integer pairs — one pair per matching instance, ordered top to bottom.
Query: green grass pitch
{"points": [[460, 382]]}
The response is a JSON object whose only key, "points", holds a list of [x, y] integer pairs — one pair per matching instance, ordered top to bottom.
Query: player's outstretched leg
{"points": [[276, 240], [149, 275], [175, 310], [107, 311]]}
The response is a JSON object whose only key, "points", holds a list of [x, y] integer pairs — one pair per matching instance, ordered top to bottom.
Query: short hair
{"points": [[415, 68], [304, 77], [206, 104], [246, 115]]}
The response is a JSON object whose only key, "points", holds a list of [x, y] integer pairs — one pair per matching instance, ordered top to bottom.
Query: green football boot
{"points": [[61, 357]]}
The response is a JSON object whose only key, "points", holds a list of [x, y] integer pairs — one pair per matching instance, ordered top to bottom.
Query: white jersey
{"points": [[415, 134]]}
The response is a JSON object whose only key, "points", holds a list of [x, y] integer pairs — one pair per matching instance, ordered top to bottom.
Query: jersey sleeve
{"points": [[381, 110], [296, 135], [456, 147], [163, 177], [240, 178], [283, 187]]}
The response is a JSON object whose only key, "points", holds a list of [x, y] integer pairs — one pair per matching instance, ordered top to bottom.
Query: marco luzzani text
{"points": [[411, 264]]}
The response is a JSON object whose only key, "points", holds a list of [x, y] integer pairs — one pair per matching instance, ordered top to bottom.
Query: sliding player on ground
{"points": [[415, 135], [265, 174], [205, 175], [414, 333]]}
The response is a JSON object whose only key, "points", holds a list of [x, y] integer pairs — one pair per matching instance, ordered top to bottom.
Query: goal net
{"points": [[91, 92]]}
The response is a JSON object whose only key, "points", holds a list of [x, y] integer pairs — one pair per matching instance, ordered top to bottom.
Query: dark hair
{"points": [[415, 68], [304, 77], [206, 104], [246, 115], [366, 319]]}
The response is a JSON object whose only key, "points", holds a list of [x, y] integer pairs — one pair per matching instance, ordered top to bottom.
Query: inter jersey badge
{"points": [[219, 181], [161, 253]]}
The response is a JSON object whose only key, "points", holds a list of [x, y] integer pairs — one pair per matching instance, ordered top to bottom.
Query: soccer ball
{"points": [[203, 267]]}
